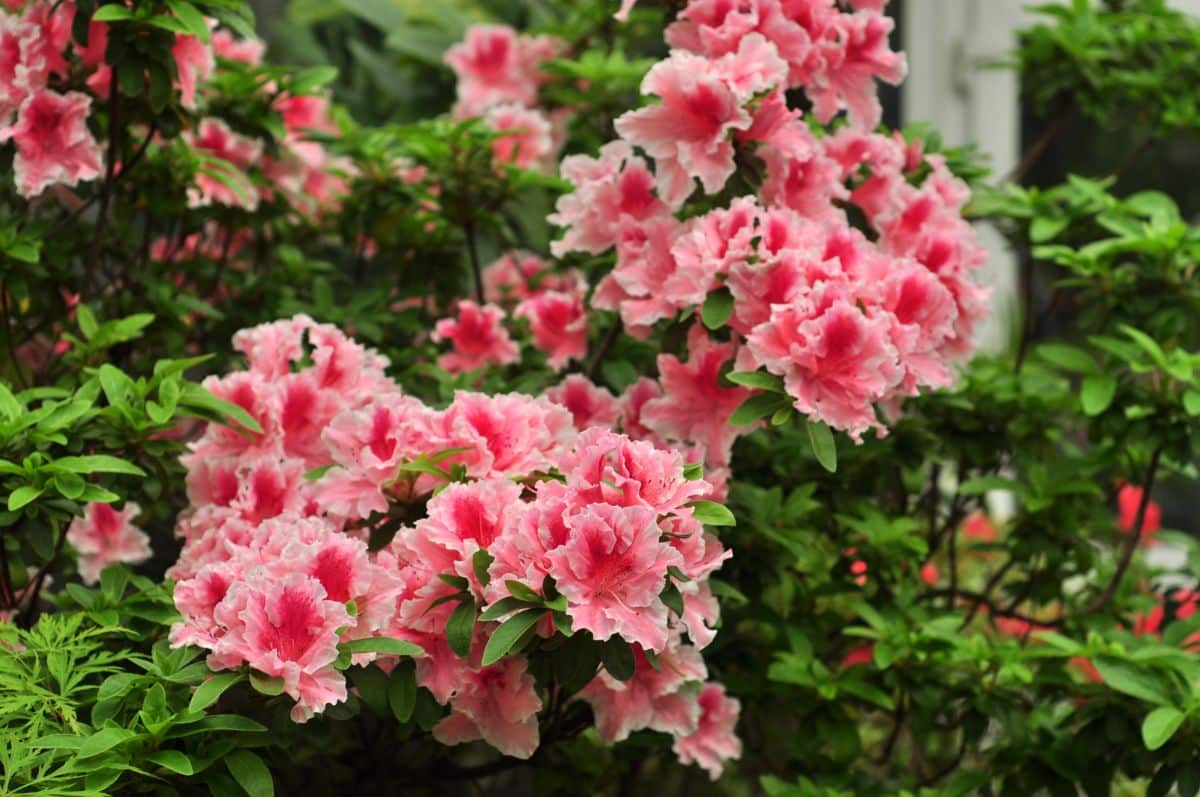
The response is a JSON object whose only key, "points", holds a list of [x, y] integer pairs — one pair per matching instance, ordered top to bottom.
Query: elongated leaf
{"points": [[1096, 394], [823, 445], [96, 463], [22, 497], [711, 513], [460, 628], [508, 634], [381, 644], [211, 690], [1160, 725], [173, 760], [251, 773]]}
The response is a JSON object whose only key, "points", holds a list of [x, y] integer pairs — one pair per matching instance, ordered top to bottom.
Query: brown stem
{"points": [[1062, 119], [114, 129], [473, 253], [610, 338], [1134, 537], [39, 580], [986, 595]]}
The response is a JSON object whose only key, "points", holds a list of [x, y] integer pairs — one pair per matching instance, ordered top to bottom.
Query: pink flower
{"points": [[623, 12], [247, 51], [862, 54], [93, 56], [194, 63], [495, 66], [306, 112], [688, 134], [525, 138], [54, 145], [230, 154], [609, 192], [645, 263], [516, 276], [559, 325], [477, 336], [835, 361], [633, 400], [589, 404], [695, 406], [508, 435], [609, 468], [1129, 498], [463, 519], [103, 536], [611, 570], [285, 626], [661, 699], [498, 704], [714, 741]]}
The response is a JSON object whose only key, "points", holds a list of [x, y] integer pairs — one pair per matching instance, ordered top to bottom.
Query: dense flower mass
{"points": [[851, 320], [360, 512]]}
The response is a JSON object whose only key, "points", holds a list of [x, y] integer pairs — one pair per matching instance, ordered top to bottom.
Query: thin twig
{"points": [[1061, 120], [114, 128], [473, 253], [614, 332]]}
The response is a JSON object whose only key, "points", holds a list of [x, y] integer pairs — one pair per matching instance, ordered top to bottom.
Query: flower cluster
{"points": [[499, 76], [50, 84], [518, 285], [850, 319], [360, 512]]}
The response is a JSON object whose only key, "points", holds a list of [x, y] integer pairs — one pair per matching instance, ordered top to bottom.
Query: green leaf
{"points": [[112, 13], [192, 20], [306, 81], [717, 308], [87, 321], [1069, 358], [759, 380], [1096, 394], [198, 399], [1191, 403], [756, 407], [823, 445], [96, 463], [693, 471], [316, 473], [23, 496], [711, 513], [480, 563], [522, 592], [503, 607], [460, 628], [508, 634], [382, 644], [618, 658], [1131, 680], [269, 685], [211, 690], [402, 690], [1160, 725], [104, 740], [173, 760], [251, 773]]}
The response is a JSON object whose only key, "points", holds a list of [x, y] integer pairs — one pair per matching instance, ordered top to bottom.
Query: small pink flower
{"points": [[247, 51], [862, 55], [194, 63], [495, 66], [306, 112], [525, 138], [54, 145], [232, 155], [609, 191], [559, 325], [478, 338], [835, 361], [589, 404], [695, 406], [507, 435], [609, 468], [463, 519], [104, 536], [611, 570], [287, 627], [661, 699], [498, 704], [714, 741]]}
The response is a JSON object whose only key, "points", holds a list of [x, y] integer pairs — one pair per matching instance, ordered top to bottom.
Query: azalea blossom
{"points": [[54, 145], [477, 337], [104, 536]]}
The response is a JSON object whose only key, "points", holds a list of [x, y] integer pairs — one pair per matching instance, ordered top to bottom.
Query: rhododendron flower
{"points": [[247, 51], [862, 56], [194, 64], [495, 66], [688, 135], [525, 138], [54, 145], [230, 154], [610, 191], [644, 264], [559, 325], [478, 338], [835, 361], [589, 404], [695, 406], [508, 435], [608, 468], [1129, 499], [463, 519], [978, 526], [104, 536], [612, 569], [286, 627], [661, 699], [497, 704], [714, 741]]}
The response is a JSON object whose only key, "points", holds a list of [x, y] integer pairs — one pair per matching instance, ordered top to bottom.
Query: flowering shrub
{"points": [[540, 460]]}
